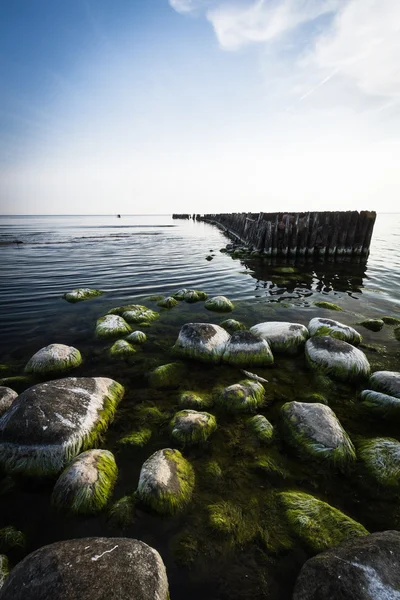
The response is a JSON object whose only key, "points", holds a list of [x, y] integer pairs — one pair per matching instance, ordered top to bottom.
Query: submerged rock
{"points": [[81, 294], [180, 294], [193, 296], [168, 302], [219, 304], [328, 305], [140, 314], [391, 320], [372, 324], [231, 325], [111, 326], [319, 326], [136, 337], [282, 337], [202, 341], [121, 348], [246, 349], [55, 358], [336, 358], [167, 376], [387, 382], [245, 396], [7, 397], [193, 400], [380, 404], [51, 423], [192, 427], [261, 428], [314, 430], [137, 439], [381, 459], [166, 481], [86, 484], [318, 525], [363, 568], [89, 569]]}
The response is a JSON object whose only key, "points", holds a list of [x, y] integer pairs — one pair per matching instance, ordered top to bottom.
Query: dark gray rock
{"points": [[202, 341], [387, 382], [7, 397], [363, 568], [89, 569]]}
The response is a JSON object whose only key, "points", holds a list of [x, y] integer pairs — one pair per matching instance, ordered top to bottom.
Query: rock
{"points": [[81, 294], [180, 294], [193, 296], [168, 302], [219, 304], [328, 305], [140, 314], [391, 320], [372, 324], [231, 325], [112, 326], [335, 329], [396, 332], [136, 337], [287, 338], [202, 341], [121, 348], [246, 349], [55, 358], [336, 358], [167, 376], [387, 382], [245, 396], [7, 397], [193, 400], [383, 405], [51, 423], [192, 427], [261, 428], [314, 430], [137, 439], [381, 460], [166, 481], [86, 484], [122, 513], [318, 525], [11, 539], [363, 568], [89, 569], [4, 570]]}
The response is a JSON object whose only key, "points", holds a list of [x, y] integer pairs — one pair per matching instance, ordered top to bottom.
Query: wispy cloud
{"points": [[187, 6]]}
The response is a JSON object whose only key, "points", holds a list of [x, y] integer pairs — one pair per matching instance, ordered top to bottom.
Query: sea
{"points": [[138, 259]]}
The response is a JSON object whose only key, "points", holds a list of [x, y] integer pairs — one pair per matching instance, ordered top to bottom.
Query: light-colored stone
{"points": [[321, 326], [288, 338], [202, 341], [54, 358], [336, 358]]}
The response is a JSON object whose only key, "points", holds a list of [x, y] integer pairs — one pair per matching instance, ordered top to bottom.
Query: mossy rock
{"points": [[285, 270], [82, 294], [180, 294], [193, 296], [168, 302], [219, 304], [328, 305], [140, 314], [391, 320], [372, 324], [231, 325], [112, 326], [320, 326], [396, 332], [136, 337], [282, 337], [201, 341], [121, 349], [246, 349], [55, 358], [336, 358], [167, 376], [387, 382], [7, 397], [243, 397], [315, 398], [193, 400], [376, 403], [192, 427], [261, 428], [314, 431], [137, 439], [381, 460], [273, 464], [213, 470], [166, 482], [86, 484], [122, 512], [232, 521], [317, 524], [11, 539], [4, 569]]}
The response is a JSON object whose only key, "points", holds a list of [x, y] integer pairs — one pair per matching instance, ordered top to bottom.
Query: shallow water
{"points": [[133, 258]]}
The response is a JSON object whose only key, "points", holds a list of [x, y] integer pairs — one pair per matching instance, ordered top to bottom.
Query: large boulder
{"points": [[81, 294], [335, 329], [287, 338], [202, 341], [246, 349], [56, 358], [336, 358], [387, 382], [7, 397], [243, 397], [51, 423], [192, 427], [314, 430], [381, 460], [166, 481], [86, 484], [363, 568], [89, 569]]}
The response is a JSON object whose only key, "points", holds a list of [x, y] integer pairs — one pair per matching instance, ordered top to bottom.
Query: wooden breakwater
{"points": [[332, 234]]}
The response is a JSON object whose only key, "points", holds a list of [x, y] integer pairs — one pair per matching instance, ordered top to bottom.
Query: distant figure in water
{"points": [[119, 216]]}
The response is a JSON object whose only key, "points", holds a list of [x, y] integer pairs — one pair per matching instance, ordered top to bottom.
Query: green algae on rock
{"points": [[81, 294], [193, 296], [168, 302], [219, 304], [327, 305], [140, 314], [391, 320], [372, 324], [231, 325], [111, 326], [320, 326], [396, 332], [136, 337], [282, 337], [202, 341], [121, 349], [246, 349], [55, 358], [336, 358], [167, 376], [387, 382], [7, 397], [243, 397], [193, 400], [376, 403], [51, 423], [192, 427], [261, 428], [315, 431], [137, 439], [381, 460], [273, 464], [213, 470], [166, 482], [86, 484], [122, 512], [230, 520], [317, 524], [11, 538], [4, 569], [89, 569]]}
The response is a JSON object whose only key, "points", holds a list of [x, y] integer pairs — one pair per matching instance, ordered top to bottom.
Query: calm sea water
{"points": [[132, 259]]}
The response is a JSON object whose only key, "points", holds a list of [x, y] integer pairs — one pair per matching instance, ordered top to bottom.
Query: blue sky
{"points": [[198, 105]]}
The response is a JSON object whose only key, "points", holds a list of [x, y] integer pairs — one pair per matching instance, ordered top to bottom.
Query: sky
{"points": [[159, 106]]}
